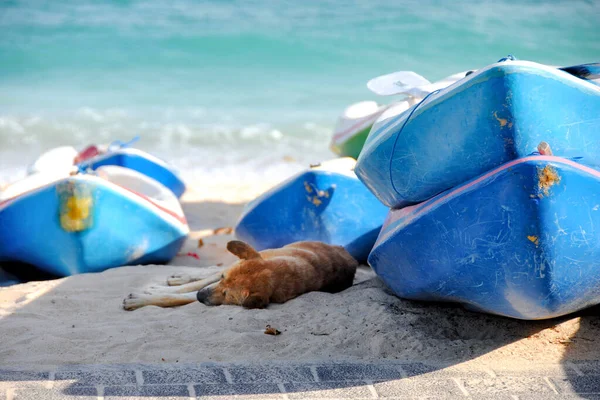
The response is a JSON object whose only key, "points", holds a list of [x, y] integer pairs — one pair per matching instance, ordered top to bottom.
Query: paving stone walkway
{"points": [[386, 380]]}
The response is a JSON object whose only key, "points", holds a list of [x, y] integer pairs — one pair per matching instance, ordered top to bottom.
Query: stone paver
{"points": [[587, 367], [540, 370], [352, 372], [268, 374], [23, 375], [184, 375], [89, 377], [22, 379], [356, 381], [507, 384], [578, 384], [403, 388], [328, 390], [245, 391], [146, 392], [79, 393]]}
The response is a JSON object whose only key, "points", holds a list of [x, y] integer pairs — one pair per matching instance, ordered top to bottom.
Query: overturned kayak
{"points": [[491, 116], [64, 158], [325, 203], [91, 222], [519, 241]]}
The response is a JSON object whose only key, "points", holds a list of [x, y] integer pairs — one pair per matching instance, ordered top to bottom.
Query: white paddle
{"points": [[396, 83], [409, 83]]}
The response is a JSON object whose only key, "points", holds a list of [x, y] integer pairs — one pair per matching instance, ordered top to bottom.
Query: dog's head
{"points": [[247, 283]]}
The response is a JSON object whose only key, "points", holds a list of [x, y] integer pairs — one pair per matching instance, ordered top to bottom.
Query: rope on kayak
{"points": [[509, 57], [400, 131], [119, 144]]}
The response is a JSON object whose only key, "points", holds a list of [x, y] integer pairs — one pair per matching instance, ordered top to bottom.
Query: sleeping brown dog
{"points": [[260, 278]]}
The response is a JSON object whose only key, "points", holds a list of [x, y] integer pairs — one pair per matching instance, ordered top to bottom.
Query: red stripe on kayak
{"points": [[12, 199], [180, 218]]}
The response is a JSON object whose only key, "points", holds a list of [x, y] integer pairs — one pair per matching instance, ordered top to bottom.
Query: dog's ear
{"points": [[242, 250], [256, 301]]}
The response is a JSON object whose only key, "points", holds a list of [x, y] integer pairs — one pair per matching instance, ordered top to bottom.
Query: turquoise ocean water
{"points": [[229, 89]]}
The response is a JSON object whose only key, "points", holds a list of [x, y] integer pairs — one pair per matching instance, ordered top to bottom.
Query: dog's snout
{"points": [[203, 296]]}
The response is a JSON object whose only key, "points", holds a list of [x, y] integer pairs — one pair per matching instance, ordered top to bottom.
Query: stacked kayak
{"points": [[490, 117], [355, 123], [63, 159], [495, 192], [325, 203], [90, 222], [519, 241]]}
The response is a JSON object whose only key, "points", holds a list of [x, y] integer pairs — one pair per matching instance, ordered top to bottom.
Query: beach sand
{"points": [[80, 320]]}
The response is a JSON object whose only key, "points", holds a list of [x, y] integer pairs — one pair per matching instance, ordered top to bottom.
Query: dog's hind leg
{"points": [[188, 287], [135, 301]]}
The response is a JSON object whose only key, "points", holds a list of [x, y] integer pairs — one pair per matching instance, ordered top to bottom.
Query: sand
{"points": [[80, 320]]}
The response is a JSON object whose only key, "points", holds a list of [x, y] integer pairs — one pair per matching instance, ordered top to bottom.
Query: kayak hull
{"points": [[492, 116], [142, 162], [335, 208], [85, 224], [520, 241]]}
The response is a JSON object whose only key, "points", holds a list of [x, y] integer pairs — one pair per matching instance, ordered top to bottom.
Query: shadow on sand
{"points": [[446, 334]]}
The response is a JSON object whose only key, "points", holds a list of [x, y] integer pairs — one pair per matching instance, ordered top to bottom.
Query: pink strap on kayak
{"points": [[86, 154]]}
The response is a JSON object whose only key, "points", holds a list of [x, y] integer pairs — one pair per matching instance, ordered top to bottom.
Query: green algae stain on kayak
{"points": [[353, 127]]}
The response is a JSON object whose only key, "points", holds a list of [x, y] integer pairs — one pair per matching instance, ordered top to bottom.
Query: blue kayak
{"points": [[492, 116], [63, 158], [140, 161], [326, 203], [89, 223], [522, 241]]}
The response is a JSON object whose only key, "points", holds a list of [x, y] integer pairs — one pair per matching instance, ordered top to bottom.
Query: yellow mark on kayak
{"points": [[503, 121], [547, 177], [307, 187], [317, 196], [76, 205], [77, 214], [534, 239]]}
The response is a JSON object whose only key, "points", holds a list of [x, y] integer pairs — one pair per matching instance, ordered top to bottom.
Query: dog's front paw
{"points": [[178, 279], [159, 289], [134, 301]]}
